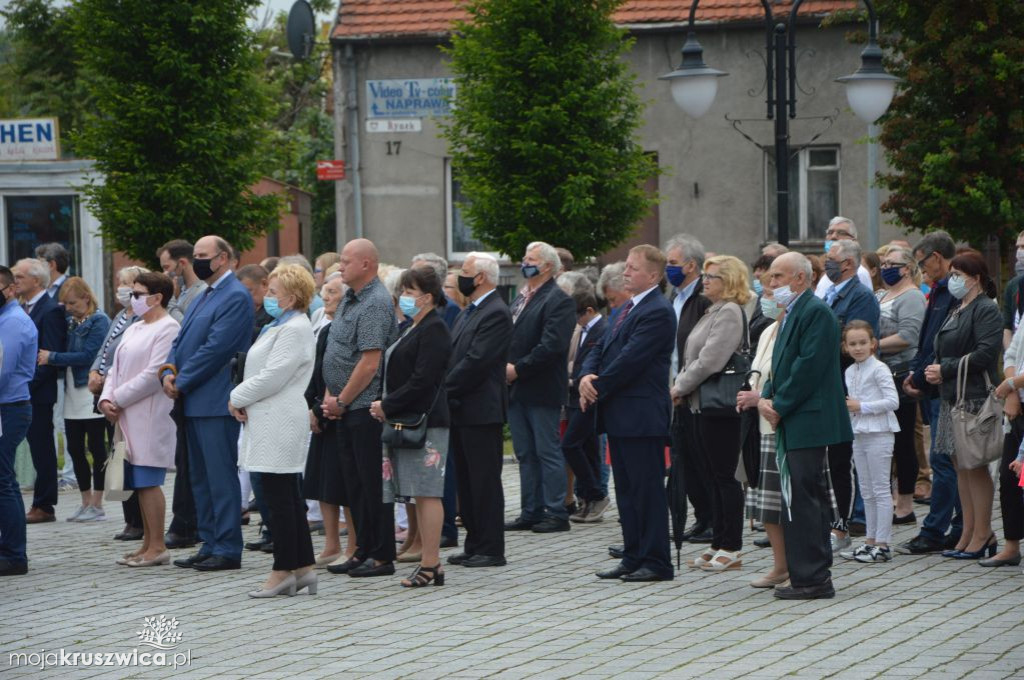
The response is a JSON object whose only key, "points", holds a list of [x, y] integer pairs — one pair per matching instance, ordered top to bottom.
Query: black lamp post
{"points": [[869, 91]]}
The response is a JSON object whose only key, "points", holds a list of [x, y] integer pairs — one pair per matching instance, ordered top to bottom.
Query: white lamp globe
{"points": [[695, 94]]}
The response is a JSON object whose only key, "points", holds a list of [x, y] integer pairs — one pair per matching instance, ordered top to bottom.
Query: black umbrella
{"points": [[677, 503]]}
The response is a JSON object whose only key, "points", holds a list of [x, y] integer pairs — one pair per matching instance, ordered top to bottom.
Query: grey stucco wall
{"points": [[403, 195]]}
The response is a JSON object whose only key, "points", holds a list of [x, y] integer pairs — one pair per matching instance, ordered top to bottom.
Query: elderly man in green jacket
{"points": [[804, 400]]}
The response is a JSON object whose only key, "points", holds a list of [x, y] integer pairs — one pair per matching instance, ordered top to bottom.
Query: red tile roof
{"points": [[417, 18]]}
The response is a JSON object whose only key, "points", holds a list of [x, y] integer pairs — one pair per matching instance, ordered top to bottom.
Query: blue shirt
{"points": [[789, 308], [20, 341]]}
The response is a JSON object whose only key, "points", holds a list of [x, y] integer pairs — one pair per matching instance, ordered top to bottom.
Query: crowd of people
{"points": [[792, 393]]}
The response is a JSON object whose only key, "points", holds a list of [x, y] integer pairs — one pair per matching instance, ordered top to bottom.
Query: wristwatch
{"points": [[342, 405]]}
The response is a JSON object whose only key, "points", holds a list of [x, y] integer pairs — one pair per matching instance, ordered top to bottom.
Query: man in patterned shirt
{"points": [[362, 329]]}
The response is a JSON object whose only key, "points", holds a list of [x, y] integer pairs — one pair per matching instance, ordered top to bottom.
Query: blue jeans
{"points": [[14, 420], [606, 468], [542, 478], [944, 512]]}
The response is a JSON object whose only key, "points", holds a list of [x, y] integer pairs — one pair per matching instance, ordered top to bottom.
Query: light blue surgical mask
{"points": [[828, 245], [758, 287], [958, 287], [784, 295], [408, 306], [272, 307], [769, 308]]}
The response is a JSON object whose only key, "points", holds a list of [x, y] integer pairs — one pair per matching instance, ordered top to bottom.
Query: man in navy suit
{"points": [[31, 277], [198, 371], [625, 379], [580, 442]]}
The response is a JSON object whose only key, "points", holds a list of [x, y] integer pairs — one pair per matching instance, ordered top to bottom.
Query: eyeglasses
{"points": [[833, 233], [920, 263], [895, 264], [708, 277], [136, 294]]}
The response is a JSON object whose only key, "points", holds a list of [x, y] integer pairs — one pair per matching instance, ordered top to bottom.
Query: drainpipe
{"points": [[352, 106]]}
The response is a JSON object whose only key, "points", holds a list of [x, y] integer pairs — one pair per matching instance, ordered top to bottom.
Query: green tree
{"points": [[38, 70], [177, 121], [543, 134], [954, 135]]}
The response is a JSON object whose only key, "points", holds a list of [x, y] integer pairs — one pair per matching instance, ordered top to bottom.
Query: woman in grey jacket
{"points": [[975, 329], [718, 334]]}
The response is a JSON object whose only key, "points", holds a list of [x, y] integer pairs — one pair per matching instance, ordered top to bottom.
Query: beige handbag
{"points": [[977, 437], [113, 473]]}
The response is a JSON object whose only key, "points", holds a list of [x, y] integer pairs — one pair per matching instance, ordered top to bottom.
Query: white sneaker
{"points": [[77, 514], [92, 514], [839, 543], [852, 554], [875, 554]]}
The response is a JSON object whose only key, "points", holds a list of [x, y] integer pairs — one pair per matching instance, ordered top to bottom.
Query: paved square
{"points": [[542, 616]]}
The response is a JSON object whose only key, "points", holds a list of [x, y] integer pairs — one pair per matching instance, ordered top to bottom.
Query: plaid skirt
{"points": [[764, 504]]}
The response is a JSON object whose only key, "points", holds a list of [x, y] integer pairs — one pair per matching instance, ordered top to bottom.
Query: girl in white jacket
{"points": [[872, 403]]}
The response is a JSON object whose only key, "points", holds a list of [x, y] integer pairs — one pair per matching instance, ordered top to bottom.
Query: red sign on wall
{"points": [[330, 170]]}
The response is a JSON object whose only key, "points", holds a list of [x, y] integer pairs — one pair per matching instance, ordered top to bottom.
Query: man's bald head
{"points": [[217, 252], [359, 262], [790, 269]]}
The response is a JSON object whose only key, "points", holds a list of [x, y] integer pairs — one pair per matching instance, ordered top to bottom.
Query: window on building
{"points": [[813, 192], [33, 220], [460, 236]]}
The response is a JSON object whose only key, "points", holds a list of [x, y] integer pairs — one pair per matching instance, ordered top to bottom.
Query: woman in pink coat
{"points": [[132, 397]]}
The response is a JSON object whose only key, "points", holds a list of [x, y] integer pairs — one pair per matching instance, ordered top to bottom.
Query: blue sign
{"points": [[409, 98]]}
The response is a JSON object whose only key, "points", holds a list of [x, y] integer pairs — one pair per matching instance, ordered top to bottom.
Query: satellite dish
{"points": [[300, 29]]}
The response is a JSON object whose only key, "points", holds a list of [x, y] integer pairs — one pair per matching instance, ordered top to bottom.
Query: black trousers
{"points": [[77, 432], [720, 439], [579, 446], [477, 453], [904, 453], [44, 457], [840, 461], [361, 464], [638, 464], [696, 476], [1011, 498], [183, 504], [132, 512], [807, 525], [293, 547]]}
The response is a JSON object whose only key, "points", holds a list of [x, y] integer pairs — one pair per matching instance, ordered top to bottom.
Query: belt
{"points": [[24, 402]]}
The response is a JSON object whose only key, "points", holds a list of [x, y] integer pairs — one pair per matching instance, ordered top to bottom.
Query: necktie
{"points": [[830, 296], [622, 316]]}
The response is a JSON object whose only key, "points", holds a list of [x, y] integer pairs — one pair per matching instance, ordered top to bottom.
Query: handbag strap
{"points": [[745, 347], [384, 378], [961, 378]]}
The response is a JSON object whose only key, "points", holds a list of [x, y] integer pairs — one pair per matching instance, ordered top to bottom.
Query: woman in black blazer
{"points": [[414, 369]]}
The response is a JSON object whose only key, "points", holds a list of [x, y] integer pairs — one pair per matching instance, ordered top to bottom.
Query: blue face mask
{"points": [[828, 245], [530, 270], [674, 274], [892, 275], [758, 287], [408, 306], [271, 307], [769, 308]]}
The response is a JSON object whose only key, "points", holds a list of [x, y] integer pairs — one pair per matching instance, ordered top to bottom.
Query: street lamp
{"points": [[869, 91]]}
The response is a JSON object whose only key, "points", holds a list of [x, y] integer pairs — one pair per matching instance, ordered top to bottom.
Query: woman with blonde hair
{"points": [[87, 326], [721, 332], [270, 402]]}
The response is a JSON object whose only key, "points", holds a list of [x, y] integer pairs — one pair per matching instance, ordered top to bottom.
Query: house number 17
{"points": [[394, 148]]}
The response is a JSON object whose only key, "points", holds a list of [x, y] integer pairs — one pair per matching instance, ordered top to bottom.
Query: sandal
{"points": [[705, 558], [732, 561], [424, 576]]}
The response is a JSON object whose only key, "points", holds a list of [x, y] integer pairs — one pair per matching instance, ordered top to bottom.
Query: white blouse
{"points": [[871, 383]]}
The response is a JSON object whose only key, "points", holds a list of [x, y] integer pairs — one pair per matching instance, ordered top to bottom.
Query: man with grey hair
{"points": [[841, 229], [773, 249], [56, 256], [685, 263], [31, 277], [611, 287], [450, 311], [543, 318]]}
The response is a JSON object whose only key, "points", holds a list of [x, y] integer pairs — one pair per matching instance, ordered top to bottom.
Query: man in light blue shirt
{"points": [[18, 349]]}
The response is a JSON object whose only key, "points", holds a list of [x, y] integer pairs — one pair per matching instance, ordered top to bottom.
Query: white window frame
{"points": [[803, 158], [449, 221]]}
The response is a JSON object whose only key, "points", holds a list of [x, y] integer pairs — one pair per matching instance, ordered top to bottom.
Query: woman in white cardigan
{"points": [[271, 404]]}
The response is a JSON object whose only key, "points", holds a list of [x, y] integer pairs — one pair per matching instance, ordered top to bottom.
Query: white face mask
{"points": [[784, 295], [124, 296], [770, 308]]}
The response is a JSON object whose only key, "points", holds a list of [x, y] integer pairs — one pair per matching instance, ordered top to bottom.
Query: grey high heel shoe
{"points": [[307, 580], [285, 587]]}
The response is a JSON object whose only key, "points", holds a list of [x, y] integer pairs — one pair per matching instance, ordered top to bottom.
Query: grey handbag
{"points": [[977, 437]]}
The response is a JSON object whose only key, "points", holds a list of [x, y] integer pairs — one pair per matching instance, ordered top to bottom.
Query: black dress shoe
{"points": [[909, 518], [520, 524], [550, 525], [694, 530], [130, 535], [703, 537], [174, 541], [449, 542], [762, 542], [256, 545], [919, 545], [267, 547], [617, 551], [458, 559], [191, 560], [484, 561], [217, 563], [346, 566], [8, 568], [371, 568], [618, 571], [644, 575], [823, 591]]}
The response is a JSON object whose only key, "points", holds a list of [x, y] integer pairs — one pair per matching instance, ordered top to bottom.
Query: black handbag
{"points": [[238, 368], [718, 392], [407, 432], [750, 440]]}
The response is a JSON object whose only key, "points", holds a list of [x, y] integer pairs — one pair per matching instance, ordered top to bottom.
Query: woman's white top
{"points": [[871, 383]]}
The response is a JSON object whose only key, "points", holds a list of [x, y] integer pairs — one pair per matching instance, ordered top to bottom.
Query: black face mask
{"points": [[201, 267], [467, 285]]}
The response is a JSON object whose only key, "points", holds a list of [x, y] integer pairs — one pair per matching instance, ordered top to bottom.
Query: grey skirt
{"points": [[408, 473], [764, 504]]}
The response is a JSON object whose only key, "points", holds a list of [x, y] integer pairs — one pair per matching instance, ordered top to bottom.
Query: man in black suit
{"points": [[685, 261], [31, 277], [537, 373], [624, 379], [478, 399], [580, 442]]}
